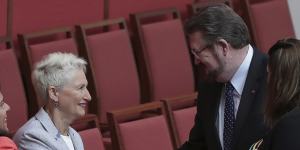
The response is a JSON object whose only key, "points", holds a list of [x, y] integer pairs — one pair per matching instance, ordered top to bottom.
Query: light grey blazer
{"points": [[39, 133]]}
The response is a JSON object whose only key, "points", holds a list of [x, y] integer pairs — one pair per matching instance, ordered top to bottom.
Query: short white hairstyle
{"points": [[55, 69]]}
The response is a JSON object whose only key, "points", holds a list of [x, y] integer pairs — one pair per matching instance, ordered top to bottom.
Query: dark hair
{"points": [[219, 22], [284, 79]]}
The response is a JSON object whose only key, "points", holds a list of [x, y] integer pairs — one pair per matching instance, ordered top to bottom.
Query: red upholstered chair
{"points": [[200, 4], [125, 7], [240, 7], [36, 15], [266, 29], [38, 44], [162, 54], [112, 64], [12, 86], [181, 113], [142, 127], [92, 139]]}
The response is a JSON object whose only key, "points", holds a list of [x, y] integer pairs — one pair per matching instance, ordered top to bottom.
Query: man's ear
{"points": [[224, 46], [53, 93]]}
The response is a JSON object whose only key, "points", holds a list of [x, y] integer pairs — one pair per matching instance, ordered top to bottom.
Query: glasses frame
{"points": [[197, 52]]}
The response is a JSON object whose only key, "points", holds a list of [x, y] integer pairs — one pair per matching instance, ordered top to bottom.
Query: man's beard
{"points": [[211, 75]]}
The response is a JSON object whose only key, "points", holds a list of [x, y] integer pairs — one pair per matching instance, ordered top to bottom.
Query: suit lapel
{"points": [[254, 77], [213, 113], [48, 125], [76, 142]]}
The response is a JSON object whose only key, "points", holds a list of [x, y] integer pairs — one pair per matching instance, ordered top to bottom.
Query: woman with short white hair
{"points": [[59, 80]]}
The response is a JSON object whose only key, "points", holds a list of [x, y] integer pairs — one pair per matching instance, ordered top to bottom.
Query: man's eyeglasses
{"points": [[197, 52]]}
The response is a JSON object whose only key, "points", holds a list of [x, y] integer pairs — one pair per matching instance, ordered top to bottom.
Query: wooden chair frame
{"points": [[198, 6], [252, 25], [81, 35], [7, 39], [9, 46], [27, 59], [147, 88], [177, 103], [134, 113], [91, 119]]}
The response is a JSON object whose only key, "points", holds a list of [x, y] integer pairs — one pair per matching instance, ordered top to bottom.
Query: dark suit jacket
{"points": [[249, 126], [286, 133]]}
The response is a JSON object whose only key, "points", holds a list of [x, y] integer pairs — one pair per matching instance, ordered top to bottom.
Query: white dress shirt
{"points": [[238, 81], [68, 141]]}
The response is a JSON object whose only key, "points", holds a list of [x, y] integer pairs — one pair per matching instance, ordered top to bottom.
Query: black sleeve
{"points": [[286, 134], [197, 139]]}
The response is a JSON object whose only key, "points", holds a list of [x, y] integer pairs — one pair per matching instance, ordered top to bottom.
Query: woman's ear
{"points": [[224, 45], [53, 93]]}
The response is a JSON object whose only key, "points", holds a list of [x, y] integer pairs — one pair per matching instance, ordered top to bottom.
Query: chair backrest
{"points": [[240, 6], [125, 7], [196, 7], [35, 15], [6, 18], [266, 29], [34, 46], [162, 54], [112, 64], [12, 86], [181, 113], [141, 127], [92, 139]]}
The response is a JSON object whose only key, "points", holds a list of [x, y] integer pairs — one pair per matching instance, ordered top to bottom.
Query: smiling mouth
{"points": [[83, 105]]}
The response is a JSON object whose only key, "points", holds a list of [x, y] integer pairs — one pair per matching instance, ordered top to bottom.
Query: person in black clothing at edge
{"points": [[232, 90], [282, 112]]}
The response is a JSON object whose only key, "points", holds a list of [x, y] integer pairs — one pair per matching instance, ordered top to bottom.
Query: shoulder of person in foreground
{"points": [[286, 133], [7, 144]]}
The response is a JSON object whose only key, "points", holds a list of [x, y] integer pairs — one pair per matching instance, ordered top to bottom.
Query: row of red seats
{"points": [[258, 14], [35, 15], [162, 67], [121, 74], [114, 75], [157, 125]]}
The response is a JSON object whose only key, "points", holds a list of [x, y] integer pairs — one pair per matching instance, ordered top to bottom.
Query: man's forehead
{"points": [[196, 38]]}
